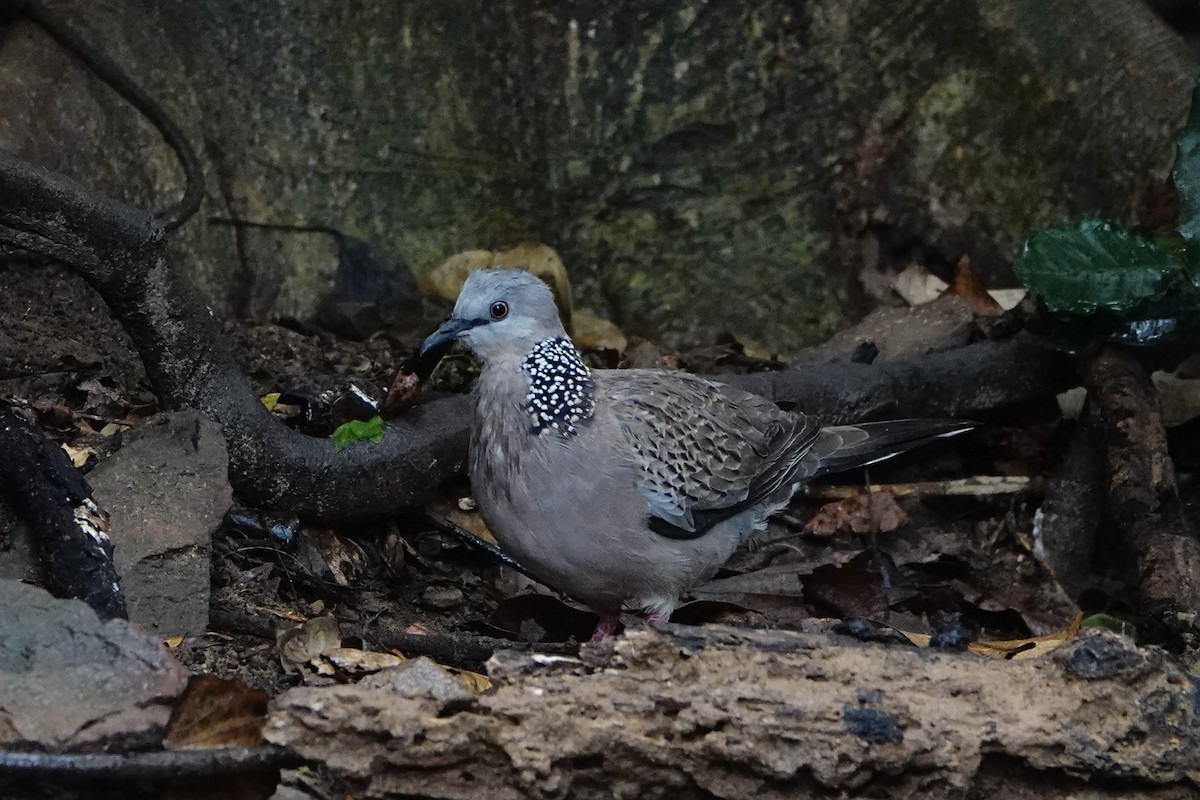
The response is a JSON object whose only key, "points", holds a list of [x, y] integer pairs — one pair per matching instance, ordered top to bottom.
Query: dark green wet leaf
{"points": [[1098, 266], [358, 431]]}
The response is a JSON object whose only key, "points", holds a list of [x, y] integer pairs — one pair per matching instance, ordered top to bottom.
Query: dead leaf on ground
{"points": [[917, 285], [968, 287], [592, 332], [403, 392], [79, 455], [873, 512], [461, 515], [326, 556], [775, 591], [850, 591], [713, 612], [281, 613], [538, 618], [301, 647], [1012, 649], [351, 661], [474, 681], [217, 712]]}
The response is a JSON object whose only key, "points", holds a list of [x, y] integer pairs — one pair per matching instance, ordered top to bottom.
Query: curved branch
{"points": [[119, 250]]}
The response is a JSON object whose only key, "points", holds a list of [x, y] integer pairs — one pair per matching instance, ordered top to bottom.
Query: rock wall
{"points": [[703, 167]]}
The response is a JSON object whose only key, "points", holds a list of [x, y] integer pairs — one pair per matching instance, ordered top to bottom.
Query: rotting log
{"points": [[728, 713]]}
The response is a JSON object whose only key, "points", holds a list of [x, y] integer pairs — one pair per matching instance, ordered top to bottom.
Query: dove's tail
{"points": [[843, 447]]}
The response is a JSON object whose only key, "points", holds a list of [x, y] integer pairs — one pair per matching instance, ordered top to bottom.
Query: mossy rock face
{"points": [[703, 168]]}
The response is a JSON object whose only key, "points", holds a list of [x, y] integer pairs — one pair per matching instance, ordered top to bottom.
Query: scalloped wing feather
{"points": [[702, 446]]}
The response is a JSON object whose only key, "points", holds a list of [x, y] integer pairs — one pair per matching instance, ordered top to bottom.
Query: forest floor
{"points": [[928, 550]]}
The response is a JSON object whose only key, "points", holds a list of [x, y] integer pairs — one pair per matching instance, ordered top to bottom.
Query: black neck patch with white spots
{"points": [[561, 392]]}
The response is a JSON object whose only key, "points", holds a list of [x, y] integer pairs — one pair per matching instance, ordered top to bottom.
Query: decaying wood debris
{"points": [[722, 712]]}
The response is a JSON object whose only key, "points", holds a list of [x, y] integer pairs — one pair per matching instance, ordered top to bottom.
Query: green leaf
{"points": [[1187, 172], [1096, 265], [358, 431], [1112, 623]]}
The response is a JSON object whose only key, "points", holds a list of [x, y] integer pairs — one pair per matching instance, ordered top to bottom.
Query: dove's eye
{"points": [[499, 310]]}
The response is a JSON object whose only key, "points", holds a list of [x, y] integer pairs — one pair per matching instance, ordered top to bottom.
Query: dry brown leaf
{"points": [[968, 287], [403, 392], [78, 455], [860, 513], [467, 520], [320, 550], [282, 613], [173, 641], [301, 646], [1032, 647], [1012, 649], [352, 661], [472, 680], [217, 712]]}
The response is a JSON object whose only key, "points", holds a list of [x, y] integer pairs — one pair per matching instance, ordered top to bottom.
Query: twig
{"points": [[975, 486], [463, 648], [156, 766]]}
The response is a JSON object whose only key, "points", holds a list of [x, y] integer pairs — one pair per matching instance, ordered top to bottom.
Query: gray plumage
{"points": [[624, 488]]}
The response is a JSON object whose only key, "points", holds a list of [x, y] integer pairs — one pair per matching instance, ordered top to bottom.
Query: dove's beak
{"points": [[446, 334]]}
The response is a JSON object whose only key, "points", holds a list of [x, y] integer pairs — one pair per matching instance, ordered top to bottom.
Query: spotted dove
{"points": [[624, 488]]}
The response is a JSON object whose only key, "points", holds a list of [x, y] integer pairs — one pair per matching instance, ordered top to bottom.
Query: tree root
{"points": [[119, 250], [959, 382], [71, 530]]}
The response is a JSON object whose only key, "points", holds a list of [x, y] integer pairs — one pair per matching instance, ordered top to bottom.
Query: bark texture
{"points": [[729, 713]]}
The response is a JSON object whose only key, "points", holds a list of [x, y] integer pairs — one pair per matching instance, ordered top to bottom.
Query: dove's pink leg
{"points": [[658, 619], [606, 627]]}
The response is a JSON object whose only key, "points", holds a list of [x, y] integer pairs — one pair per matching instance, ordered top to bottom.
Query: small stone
{"points": [[166, 490]]}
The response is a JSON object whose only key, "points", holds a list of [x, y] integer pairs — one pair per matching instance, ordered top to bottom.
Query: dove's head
{"points": [[499, 312]]}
